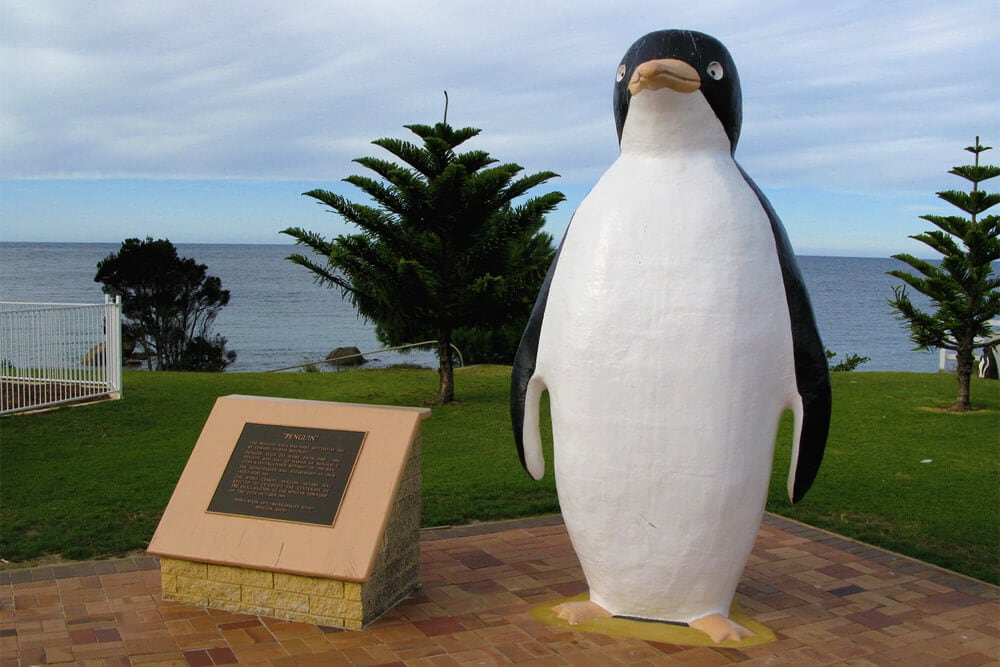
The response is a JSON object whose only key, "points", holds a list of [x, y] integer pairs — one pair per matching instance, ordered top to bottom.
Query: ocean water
{"points": [[278, 317]]}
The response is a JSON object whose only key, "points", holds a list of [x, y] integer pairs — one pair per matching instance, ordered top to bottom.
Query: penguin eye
{"points": [[714, 70], [621, 73]]}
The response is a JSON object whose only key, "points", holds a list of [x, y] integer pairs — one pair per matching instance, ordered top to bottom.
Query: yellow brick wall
{"points": [[396, 573], [274, 594], [316, 600]]}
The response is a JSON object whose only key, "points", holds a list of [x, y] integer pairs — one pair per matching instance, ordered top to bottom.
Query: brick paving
{"points": [[829, 601]]}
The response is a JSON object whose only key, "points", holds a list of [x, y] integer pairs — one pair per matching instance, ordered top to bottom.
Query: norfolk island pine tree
{"points": [[446, 243], [963, 288]]}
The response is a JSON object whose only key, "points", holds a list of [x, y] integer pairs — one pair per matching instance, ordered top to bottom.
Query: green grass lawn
{"points": [[92, 481]]}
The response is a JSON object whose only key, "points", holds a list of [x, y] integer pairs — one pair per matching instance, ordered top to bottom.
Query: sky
{"points": [[203, 122]]}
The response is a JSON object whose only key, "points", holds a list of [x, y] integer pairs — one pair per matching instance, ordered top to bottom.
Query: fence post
{"points": [[113, 344]]}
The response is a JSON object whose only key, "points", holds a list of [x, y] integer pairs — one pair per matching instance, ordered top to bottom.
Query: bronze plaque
{"points": [[288, 473]]}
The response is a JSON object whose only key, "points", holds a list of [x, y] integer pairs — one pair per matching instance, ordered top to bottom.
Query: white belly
{"points": [[666, 349]]}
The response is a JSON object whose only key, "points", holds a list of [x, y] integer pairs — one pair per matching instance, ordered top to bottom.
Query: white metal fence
{"points": [[54, 353], [948, 359]]}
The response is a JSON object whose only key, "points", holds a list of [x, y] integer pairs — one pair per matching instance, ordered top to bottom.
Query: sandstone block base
{"points": [[273, 594]]}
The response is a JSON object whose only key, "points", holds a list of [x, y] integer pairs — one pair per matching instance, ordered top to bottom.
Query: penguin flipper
{"points": [[812, 373], [526, 388]]}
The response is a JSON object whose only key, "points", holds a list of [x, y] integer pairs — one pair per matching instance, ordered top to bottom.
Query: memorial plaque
{"points": [[288, 473], [306, 488]]}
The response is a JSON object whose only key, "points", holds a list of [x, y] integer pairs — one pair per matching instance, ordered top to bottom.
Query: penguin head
{"points": [[687, 62]]}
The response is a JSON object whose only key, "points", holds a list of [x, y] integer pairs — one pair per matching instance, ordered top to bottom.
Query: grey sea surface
{"points": [[278, 317]]}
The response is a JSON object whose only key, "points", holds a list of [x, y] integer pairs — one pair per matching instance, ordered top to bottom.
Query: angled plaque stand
{"points": [[301, 510]]}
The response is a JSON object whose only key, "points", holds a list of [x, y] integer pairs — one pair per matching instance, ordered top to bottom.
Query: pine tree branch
{"points": [[975, 173], [920, 265]]}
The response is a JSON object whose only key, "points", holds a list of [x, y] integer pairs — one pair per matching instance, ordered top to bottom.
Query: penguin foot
{"points": [[575, 613], [720, 628]]}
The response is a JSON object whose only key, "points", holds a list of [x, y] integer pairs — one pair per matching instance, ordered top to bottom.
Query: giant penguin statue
{"points": [[672, 331]]}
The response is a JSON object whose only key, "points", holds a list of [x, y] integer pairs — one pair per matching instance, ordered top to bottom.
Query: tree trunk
{"points": [[446, 372], [964, 375]]}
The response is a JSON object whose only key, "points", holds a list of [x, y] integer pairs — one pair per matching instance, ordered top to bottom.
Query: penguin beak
{"points": [[665, 73]]}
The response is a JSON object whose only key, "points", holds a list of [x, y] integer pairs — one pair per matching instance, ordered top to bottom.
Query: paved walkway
{"points": [[829, 601]]}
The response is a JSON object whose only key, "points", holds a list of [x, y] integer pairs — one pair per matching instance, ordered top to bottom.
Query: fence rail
{"points": [[56, 353]]}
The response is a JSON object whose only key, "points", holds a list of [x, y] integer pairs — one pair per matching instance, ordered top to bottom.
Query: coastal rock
{"points": [[94, 356], [346, 356]]}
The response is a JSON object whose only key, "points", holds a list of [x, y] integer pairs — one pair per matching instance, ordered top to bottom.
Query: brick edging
{"points": [[81, 569], [944, 577]]}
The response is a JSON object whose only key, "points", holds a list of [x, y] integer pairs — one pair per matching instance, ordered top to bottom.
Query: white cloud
{"points": [[854, 97]]}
